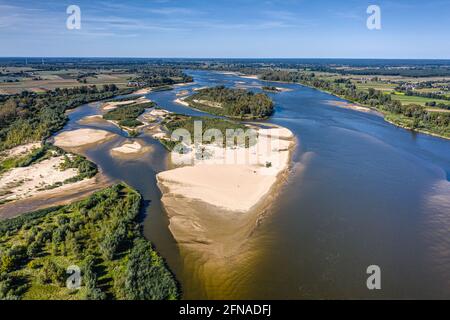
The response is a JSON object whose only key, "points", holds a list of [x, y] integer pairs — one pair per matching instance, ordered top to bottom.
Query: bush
{"points": [[52, 273]]}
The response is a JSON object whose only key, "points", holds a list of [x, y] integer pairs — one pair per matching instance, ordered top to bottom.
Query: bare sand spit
{"points": [[255, 77], [182, 102], [347, 105], [81, 137], [130, 149], [212, 207]]}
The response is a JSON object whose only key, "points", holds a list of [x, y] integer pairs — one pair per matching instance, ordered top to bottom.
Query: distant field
{"points": [[49, 80], [381, 86], [417, 100]]}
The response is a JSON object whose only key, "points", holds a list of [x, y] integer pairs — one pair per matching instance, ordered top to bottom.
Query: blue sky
{"points": [[223, 29]]}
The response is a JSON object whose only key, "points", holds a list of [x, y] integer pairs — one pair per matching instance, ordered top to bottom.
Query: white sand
{"points": [[255, 77], [201, 88], [143, 91], [182, 93], [182, 102], [208, 103], [348, 105], [108, 106], [81, 137], [25, 182], [236, 185]]}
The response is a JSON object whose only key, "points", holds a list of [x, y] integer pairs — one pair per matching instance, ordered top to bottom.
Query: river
{"points": [[360, 192]]}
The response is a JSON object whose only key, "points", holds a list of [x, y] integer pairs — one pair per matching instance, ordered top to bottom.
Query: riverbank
{"points": [[353, 105]]}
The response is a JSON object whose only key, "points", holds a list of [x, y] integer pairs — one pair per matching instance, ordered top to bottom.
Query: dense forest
{"points": [[233, 103], [126, 115], [410, 116], [28, 117], [100, 235]]}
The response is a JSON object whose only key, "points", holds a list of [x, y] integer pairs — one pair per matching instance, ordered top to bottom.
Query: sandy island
{"points": [[81, 137], [40, 185], [214, 206]]}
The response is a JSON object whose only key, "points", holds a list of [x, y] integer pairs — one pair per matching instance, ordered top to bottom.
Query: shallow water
{"points": [[361, 192]]}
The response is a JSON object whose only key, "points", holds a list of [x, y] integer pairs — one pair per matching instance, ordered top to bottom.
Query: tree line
{"points": [[412, 116], [29, 117]]}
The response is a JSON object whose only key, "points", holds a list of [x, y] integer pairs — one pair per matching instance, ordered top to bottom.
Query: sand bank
{"points": [[254, 77], [143, 91], [182, 93], [182, 102], [348, 105], [81, 137], [130, 149], [19, 151], [29, 181], [63, 195], [212, 205]]}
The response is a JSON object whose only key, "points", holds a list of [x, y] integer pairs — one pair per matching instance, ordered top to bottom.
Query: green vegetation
{"points": [[232, 103], [126, 115], [411, 116], [31, 117], [100, 234]]}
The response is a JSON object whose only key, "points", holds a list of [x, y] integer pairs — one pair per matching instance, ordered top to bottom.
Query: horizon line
{"points": [[215, 58]]}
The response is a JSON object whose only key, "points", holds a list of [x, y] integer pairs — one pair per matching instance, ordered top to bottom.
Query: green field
{"points": [[404, 99]]}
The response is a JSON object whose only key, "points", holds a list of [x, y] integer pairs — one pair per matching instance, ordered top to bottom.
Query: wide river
{"points": [[360, 192]]}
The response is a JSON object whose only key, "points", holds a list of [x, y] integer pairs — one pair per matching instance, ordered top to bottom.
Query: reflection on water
{"points": [[361, 192]]}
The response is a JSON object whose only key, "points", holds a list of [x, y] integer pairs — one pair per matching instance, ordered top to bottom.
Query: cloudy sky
{"points": [[232, 28]]}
